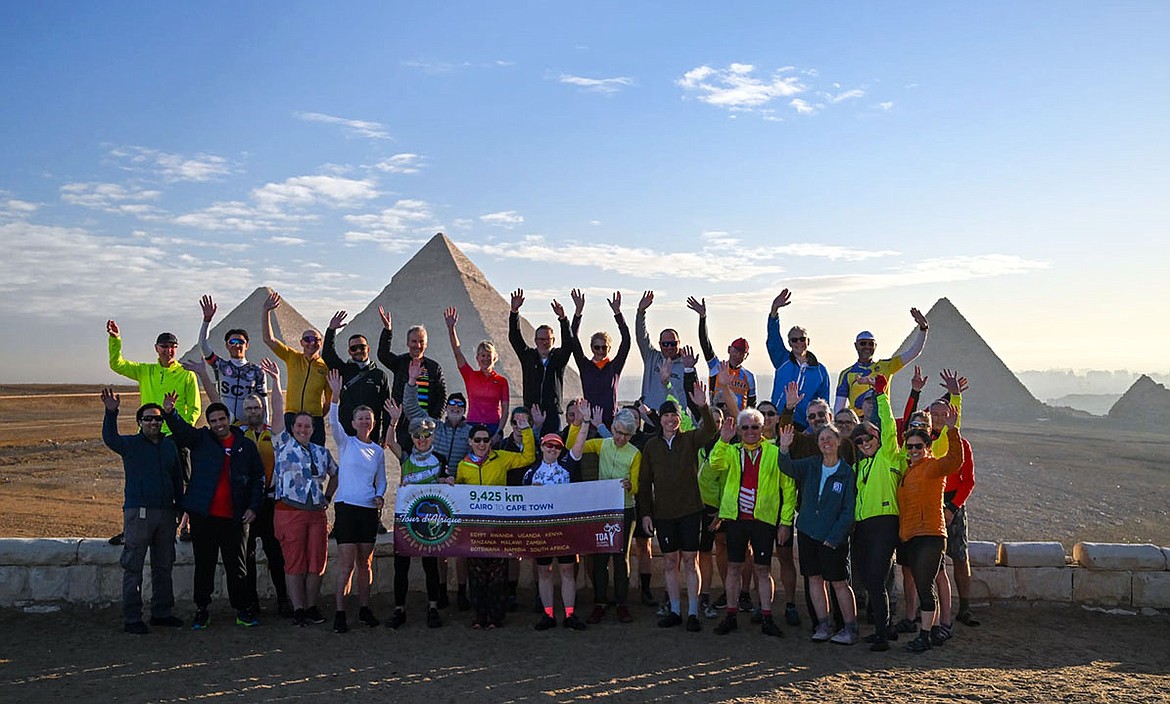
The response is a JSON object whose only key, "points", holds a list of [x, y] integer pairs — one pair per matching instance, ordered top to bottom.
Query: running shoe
{"points": [[119, 539], [721, 602], [745, 602], [663, 609], [709, 610], [313, 615], [791, 615], [597, 616], [367, 617], [246, 618], [967, 618], [396, 619], [670, 620], [201, 621], [545, 623], [574, 623], [729, 623], [339, 624], [694, 625], [769, 628], [822, 634], [845, 636], [920, 643]]}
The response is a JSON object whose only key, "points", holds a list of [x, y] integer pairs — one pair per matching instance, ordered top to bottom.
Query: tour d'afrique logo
{"points": [[429, 520]]}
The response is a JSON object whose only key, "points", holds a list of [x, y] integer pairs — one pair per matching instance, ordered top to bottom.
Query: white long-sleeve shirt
{"points": [[361, 475]]}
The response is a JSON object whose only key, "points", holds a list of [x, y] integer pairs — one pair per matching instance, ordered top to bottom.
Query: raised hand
{"points": [[782, 299], [517, 300], [578, 300], [647, 301], [272, 302], [615, 303], [699, 305], [209, 308], [558, 309], [385, 316], [451, 317], [919, 318], [338, 320], [111, 328], [688, 357], [271, 369], [414, 371], [664, 371], [723, 376], [333, 378], [918, 382], [950, 382], [881, 383], [699, 394], [792, 395], [110, 399], [169, 401], [393, 409], [584, 410], [597, 416], [952, 416], [537, 417], [727, 428], [787, 433]]}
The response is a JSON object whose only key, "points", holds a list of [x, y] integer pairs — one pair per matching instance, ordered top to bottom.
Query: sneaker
{"points": [[382, 530], [185, 535], [120, 539], [648, 598], [444, 600], [462, 601], [721, 602], [745, 602], [663, 609], [709, 610], [623, 614], [313, 615], [597, 615], [757, 615], [791, 615], [367, 617], [967, 618], [246, 619], [299, 619], [396, 619], [202, 620], [433, 620], [670, 620], [168, 621], [546, 622], [574, 623], [729, 623], [339, 625], [694, 625], [906, 626], [138, 628], [769, 628], [822, 634], [845, 636], [937, 639], [920, 643], [879, 644]]}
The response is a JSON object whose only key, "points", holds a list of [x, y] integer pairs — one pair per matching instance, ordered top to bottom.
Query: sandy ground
{"points": [[1019, 654]]}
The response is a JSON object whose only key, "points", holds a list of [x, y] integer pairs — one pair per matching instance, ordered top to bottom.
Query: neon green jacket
{"points": [[156, 381], [725, 461], [878, 476]]}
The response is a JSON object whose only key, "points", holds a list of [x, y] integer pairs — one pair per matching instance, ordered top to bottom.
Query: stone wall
{"points": [[46, 571]]}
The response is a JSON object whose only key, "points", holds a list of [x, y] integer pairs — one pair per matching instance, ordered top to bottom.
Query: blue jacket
{"points": [[814, 383], [246, 472], [154, 477], [829, 516]]}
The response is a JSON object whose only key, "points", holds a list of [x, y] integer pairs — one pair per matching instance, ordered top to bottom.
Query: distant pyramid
{"points": [[437, 276], [287, 326], [996, 393], [1145, 404]]}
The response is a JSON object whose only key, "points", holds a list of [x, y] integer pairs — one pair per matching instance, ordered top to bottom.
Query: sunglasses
{"points": [[310, 340], [794, 340], [236, 341], [669, 343], [867, 343], [356, 348], [600, 348], [456, 404], [769, 414], [818, 414], [151, 419], [918, 424], [749, 427], [422, 436], [481, 439], [859, 439], [551, 446], [915, 446]]}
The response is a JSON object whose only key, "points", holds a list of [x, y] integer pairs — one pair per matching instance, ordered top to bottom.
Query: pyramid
{"points": [[437, 276], [287, 325], [996, 393], [1146, 404]]}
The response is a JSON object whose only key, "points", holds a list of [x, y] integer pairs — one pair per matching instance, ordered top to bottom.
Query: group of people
{"points": [[718, 475]]}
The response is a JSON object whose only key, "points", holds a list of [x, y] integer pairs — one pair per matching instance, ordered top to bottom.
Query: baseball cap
{"points": [[864, 335], [167, 338]]}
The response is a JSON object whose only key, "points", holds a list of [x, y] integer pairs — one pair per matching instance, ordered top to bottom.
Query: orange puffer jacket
{"points": [[920, 494]]}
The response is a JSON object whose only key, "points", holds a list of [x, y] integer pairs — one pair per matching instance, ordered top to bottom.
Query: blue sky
{"points": [[1010, 156]]}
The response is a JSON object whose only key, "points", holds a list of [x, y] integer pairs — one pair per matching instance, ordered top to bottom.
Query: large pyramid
{"points": [[437, 276], [287, 326], [996, 393], [1146, 404]]}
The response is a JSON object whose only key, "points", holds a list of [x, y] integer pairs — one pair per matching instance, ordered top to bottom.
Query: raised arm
{"points": [[270, 304], [207, 305], [700, 307], [451, 318], [640, 331], [514, 336], [919, 340], [329, 344], [777, 350], [117, 363], [199, 369], [273, 371], [410, 404], [394, 414], [889, 428], [338, 431], [110, 435]]}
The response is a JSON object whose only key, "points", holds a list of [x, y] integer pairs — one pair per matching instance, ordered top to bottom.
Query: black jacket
{"points": [[542, 383], [360, 386], [246, 472], [154, 477]]}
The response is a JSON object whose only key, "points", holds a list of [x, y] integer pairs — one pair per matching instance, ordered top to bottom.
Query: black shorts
{"points": [[354, 524], [638, 533], [676, 534], [706, 535], [957, 536], [762, 537], [561, 560], [819, 560]]}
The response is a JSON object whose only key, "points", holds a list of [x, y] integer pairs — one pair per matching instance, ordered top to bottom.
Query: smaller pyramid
{"points": [[437, 276], [287, 326], [995, 394], [1146, 405]]}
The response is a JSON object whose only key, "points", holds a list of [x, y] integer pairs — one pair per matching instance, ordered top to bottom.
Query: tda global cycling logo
{"points": [[429, 521]]}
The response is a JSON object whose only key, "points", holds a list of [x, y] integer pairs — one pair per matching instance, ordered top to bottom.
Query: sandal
{"points": [[967, 618], [906, 626]]}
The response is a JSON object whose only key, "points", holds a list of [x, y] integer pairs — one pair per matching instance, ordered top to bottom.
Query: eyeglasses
{"points": [[544, 339], [310, 340], [795, 340], [236, 341], [669, 343], [867, 343], [168, 346], [357, 348], [600, 348], [769, 414], [818, 414], [151, 419], [917, 424], [749, 427], [422, 436], [481, 439], [860, 439], [551, 446], [915, 446]]}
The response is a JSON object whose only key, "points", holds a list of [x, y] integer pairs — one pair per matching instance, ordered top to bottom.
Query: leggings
{"points": [[874, 540], [923, 555], [621, 567], [488, 577], [402, 578]]}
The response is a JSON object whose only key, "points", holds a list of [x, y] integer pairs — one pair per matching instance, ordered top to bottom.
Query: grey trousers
{"points": [[156, 532]]}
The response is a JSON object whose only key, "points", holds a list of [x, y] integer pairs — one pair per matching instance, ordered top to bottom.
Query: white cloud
{"points": [[436, 67], [606, 86], [736, 88], [846, 95], [801, 106], [886, 106], [358, 128], [400, 164], [173, 167], [305, 191], [111, 198], [14, 208], [238, 216], [504, 218], [462, 223], [396, 228], [718, 238], [285, 240], [831, 252], [928, 271]]}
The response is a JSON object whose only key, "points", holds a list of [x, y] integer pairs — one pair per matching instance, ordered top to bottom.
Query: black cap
{"points": [[167, 338], [668, 407]]}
